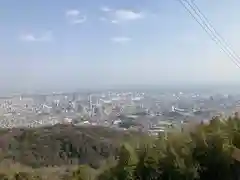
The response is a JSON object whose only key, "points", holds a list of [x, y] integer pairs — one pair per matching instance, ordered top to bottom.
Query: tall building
{"points": [[90, 106]]}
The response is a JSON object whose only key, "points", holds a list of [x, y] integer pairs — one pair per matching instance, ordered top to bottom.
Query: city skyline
{"points": [[74, 44]]}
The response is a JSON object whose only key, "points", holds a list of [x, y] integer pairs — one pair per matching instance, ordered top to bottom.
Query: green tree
{"points": [[213, 149], [126, 165], [147, 167], [84, 172], [3, 176], [22, 176]]}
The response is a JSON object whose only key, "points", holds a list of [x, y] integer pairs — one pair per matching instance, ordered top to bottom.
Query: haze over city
{"points": [[85, 44], [123, 90]]}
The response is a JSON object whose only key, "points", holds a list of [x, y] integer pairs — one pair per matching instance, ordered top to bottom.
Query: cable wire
{"points": [[206, 21], [211, 33]]}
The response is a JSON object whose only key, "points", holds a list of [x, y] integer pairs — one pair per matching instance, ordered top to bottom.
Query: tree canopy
{"points": [[210, 151]]}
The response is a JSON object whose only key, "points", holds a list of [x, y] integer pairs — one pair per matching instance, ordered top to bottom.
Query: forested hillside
{"points": [[62, 145], [68, 152]]}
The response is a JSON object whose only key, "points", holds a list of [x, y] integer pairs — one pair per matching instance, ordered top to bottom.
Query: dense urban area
{"points": [[150, 112], [105, 135], [120, 135]]}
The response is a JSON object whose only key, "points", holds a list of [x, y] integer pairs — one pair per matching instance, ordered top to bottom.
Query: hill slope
{"points": [[61, 145]]}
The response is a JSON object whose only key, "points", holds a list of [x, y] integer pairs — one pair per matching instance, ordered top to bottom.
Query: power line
{"points": [[206, 21], [207, 29], [210, 33]]}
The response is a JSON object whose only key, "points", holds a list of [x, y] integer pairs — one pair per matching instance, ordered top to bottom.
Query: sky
{"points": [[72, 44]]}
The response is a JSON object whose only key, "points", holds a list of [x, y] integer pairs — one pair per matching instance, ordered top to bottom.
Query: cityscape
{"points": [[119, 90], [148, 111]]}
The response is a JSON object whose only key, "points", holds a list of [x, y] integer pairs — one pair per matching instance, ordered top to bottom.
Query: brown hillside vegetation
{"points": [[61, 145], [210, 151]]}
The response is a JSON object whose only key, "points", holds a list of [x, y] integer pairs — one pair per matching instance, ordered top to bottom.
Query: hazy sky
{"points": [[90, 43]]}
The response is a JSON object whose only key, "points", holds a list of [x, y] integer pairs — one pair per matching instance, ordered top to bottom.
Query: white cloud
{"points": [[105, 9], [72, 12], [121, 15], [126, 15], [75, 17], [104, 19], [79, 20], [114, 21], [30, 37], [121, 39]]}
